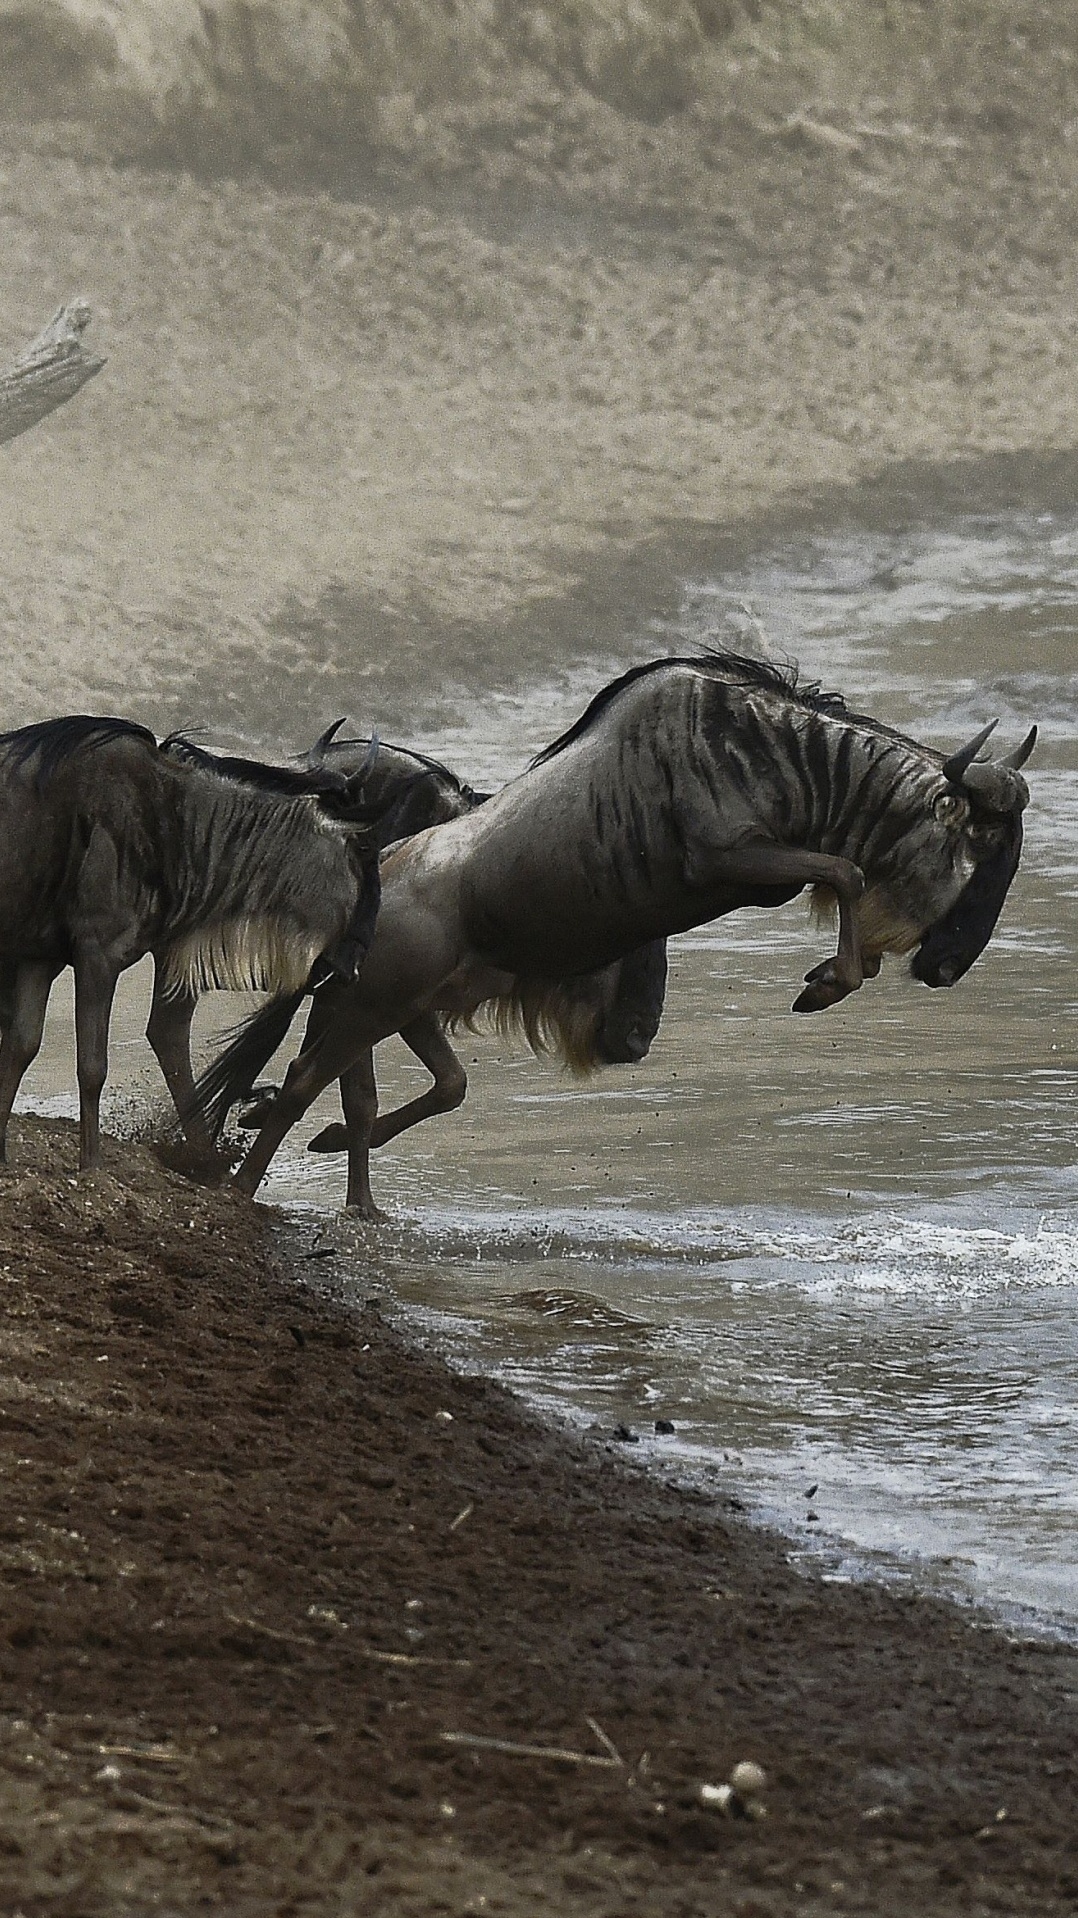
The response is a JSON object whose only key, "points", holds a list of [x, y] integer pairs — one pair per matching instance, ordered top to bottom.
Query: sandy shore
{"points": [[369, 449], [258, 1557]]}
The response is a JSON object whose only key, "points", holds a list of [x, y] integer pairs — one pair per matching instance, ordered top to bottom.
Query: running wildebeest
{"points": [[397, 787], [688, 789], [401, 792], [112, 848], [173, 1002], [608, 1017]]}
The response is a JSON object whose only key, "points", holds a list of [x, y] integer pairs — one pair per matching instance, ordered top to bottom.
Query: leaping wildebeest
{"points": [[690, 787], [111, 848], [603, 1018]]}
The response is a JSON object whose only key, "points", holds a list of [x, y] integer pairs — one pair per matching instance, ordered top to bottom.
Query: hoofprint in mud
{"points": [[688, 788]]}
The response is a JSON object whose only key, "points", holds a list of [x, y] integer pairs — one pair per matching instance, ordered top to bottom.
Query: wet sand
{"points": [[369, 450], [260, 1555]]}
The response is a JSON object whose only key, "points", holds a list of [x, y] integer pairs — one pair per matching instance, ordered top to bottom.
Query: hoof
{"points": [[824, 986], [819, 994], [252, 1116], [332, 1138], [366, 1212]]}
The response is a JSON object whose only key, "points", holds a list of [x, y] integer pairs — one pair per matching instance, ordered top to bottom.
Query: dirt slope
{"points": [[257, 1558]]}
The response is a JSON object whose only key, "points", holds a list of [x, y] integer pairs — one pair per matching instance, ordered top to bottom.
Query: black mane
{"points": [[738, 667], [52, 742], [427, 765], [254, 772]]}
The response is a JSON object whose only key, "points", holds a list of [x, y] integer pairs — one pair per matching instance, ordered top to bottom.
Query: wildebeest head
{"points": [[401, 790], [982, 805], [629, 1018], [591, 1019]]}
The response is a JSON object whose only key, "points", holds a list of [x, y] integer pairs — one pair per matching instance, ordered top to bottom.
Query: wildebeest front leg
{"points": [[767, 865], [30, 986], [95, 989], [168, 1030], [331, 1044], [311, 1071], [359, 1099]]}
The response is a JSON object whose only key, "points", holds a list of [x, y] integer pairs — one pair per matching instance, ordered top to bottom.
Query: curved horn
{"points": [[318, 750], [1021, 753], [954, 768], [356, 780]]}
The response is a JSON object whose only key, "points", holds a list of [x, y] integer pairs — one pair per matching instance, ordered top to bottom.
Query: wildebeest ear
{"points": [[1021, 753], [956, 766]]}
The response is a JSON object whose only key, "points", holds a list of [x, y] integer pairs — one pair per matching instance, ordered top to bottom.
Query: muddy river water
{"points": [[838, 1253]]}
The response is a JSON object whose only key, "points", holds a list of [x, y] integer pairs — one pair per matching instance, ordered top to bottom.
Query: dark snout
{"points": [[951, 946], [631, 1021], [616, 1048]]}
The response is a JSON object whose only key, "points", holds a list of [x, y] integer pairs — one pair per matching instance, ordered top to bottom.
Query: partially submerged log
{"points": [[48, 373]]}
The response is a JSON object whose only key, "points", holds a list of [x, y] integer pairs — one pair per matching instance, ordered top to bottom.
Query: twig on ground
{"points": [[267, 1631], [364, 1651], [411, 1658], [607, 1743], [561, 1752], [127, 1799]]}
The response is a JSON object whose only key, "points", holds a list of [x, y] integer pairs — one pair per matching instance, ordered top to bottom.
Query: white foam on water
{"points": [[861, 1253], [916, 1256]]}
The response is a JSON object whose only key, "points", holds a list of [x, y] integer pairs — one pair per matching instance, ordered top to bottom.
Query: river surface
{"points": [[839, 1254]]}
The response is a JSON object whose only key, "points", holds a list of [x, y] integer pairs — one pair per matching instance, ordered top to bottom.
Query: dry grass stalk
{"points": [[560, 1752]]}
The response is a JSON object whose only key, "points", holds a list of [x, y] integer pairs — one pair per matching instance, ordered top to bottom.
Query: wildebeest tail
{"points": [[251, 1047]]}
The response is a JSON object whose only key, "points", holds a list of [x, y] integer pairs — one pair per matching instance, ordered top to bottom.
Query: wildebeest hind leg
{"points": [[31, 984], [426, 1039]]}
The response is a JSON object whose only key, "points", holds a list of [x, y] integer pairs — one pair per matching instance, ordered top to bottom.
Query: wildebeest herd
{"points": [[375, 882]]}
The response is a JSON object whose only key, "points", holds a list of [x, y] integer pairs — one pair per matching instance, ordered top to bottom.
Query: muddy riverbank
{"points": [[258, 1558]]}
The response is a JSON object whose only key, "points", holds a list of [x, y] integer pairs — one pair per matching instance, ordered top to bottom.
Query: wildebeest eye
{"points": [[951, 808]]}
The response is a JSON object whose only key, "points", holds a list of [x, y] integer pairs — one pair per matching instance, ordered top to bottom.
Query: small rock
{"points": [[664, 1427], [747, 1779]]}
